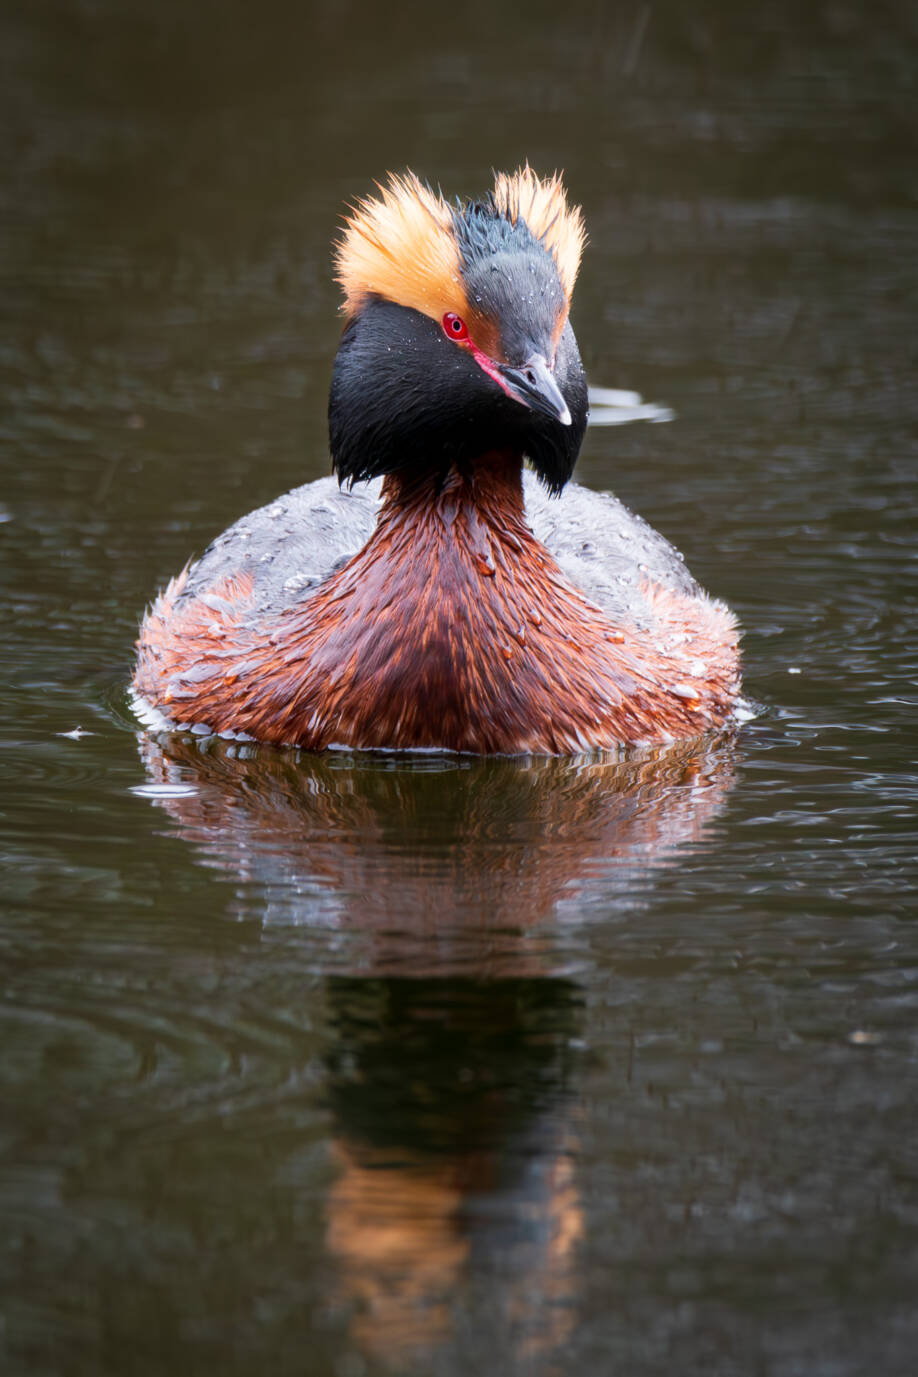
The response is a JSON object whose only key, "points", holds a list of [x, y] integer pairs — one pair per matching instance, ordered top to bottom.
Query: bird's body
{"points": [[458, 607]]}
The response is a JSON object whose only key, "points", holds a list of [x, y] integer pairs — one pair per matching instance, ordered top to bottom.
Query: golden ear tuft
{"points": [[542, 203], [401, 247]]}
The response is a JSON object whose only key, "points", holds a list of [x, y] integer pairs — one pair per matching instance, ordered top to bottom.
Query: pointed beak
{"points": [[534, 385]]}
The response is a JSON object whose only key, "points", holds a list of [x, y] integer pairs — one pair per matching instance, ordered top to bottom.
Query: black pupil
{"points": [[457, 325]]}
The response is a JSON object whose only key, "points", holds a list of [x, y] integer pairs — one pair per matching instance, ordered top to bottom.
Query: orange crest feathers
{"points": [[542, 203], [401, 247]]}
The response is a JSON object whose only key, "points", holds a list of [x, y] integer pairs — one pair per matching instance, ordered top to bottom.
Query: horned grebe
{"points": [[452, 602]]}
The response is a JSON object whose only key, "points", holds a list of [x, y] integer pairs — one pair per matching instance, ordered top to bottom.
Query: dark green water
{"points": [[348, 1067]]}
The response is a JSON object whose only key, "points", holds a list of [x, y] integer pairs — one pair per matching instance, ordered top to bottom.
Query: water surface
{"points": [[363, 1065]]}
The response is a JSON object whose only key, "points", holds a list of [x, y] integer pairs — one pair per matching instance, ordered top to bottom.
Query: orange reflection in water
{"points": [[425, 855], [450, 1071], [401, 1242]]}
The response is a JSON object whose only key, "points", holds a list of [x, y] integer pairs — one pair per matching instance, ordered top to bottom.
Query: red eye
{"points": [[455, 326]]}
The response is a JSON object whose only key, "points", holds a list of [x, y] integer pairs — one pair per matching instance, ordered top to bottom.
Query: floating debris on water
{"points": [[612, 406], [163, 790]]}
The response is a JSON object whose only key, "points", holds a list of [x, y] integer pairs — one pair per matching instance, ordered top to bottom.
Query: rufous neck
{"points": [[493, 484]]}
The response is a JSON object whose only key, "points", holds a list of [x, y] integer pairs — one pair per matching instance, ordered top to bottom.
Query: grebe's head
{"points": [[457, 340]]}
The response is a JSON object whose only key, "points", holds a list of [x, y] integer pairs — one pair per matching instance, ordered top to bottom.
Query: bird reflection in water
{"points": [[445, 890], [455, 1143]]}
